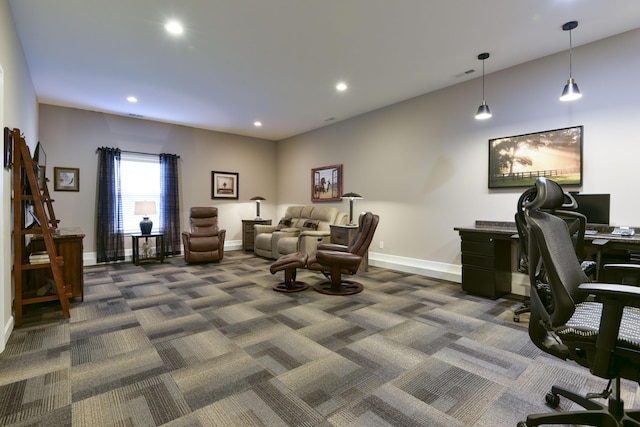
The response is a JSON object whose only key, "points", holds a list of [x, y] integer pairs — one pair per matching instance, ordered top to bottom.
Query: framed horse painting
{"points": [[326, 184]]}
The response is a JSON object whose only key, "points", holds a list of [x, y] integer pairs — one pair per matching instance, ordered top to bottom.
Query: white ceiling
{"points": [[278, 61]]}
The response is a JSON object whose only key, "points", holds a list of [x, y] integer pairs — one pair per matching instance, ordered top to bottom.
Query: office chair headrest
{"points": [[549, 195]]}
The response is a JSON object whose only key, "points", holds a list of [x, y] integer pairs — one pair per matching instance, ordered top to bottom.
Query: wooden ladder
{"points": [[46, 225]]}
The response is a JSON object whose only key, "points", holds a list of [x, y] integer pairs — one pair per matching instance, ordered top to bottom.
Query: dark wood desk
{"points": [[486, 258]]}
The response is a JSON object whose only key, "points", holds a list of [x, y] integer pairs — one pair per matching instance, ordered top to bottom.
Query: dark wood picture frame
{"points": [[8, 148], [517, 161], [66, 179], [326, 184], [225, 185]]}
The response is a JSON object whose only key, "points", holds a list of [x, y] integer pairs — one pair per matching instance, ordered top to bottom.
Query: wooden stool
{"points": [[289, 263]]}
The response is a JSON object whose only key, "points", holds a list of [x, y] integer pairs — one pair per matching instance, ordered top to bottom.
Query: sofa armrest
{"points": [[263, 228], [308, 241]]}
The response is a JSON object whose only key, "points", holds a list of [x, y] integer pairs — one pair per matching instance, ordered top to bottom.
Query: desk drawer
{"points": [[485, 247], [480, 261]]}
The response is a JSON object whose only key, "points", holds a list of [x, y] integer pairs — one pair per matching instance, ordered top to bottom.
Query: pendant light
{"points": [[571, 91], [483, 110]]}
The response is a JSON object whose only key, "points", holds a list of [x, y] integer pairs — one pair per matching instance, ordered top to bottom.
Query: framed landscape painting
{"points": [[517, 161], [326, 183], [224, 185]]}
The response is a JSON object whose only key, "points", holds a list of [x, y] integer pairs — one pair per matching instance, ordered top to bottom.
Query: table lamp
{"points": [[351, 197], [258, 199], [145, 208]]}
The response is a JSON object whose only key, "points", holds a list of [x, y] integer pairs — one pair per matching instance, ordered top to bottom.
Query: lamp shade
{"points": [[483, 111], [351, 196], [258, 199], [145, 208]]}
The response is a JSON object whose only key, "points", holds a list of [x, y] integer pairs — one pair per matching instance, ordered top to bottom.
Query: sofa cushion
{"points": [[284, 223], [311, 225]]}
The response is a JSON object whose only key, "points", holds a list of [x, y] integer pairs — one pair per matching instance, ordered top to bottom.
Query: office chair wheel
{"points": [[516, 318], [553, 400], [521, 424]]}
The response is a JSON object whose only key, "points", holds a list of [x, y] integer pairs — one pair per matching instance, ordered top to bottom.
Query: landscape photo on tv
{"points": [[517, 161]]}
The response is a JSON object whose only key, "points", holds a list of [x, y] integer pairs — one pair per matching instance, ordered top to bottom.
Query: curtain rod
{"points": [[139, 152]]}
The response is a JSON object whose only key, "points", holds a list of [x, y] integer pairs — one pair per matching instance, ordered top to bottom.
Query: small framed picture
{"points": [[66, 179], [326, 184], [224, 185]]}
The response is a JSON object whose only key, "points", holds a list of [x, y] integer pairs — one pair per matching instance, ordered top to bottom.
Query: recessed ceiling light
{"points": [[173, 27], [342, 86], [132, 99], [257, 124]]}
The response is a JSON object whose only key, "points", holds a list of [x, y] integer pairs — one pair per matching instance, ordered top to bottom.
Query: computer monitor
{"points": [[595, 207]]}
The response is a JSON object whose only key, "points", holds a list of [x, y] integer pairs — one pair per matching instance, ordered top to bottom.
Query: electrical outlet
{"points": [[381, 244]]}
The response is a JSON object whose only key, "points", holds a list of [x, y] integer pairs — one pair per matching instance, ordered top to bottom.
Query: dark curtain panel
{"points": [[170, 203], [109, 227]]}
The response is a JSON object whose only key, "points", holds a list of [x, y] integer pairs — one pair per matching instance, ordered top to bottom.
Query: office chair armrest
{"points": [[629, 295]]}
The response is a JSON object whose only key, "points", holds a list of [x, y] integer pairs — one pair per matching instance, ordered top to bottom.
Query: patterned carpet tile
{"points": [[335, 333], [193, 349], [94, 378], [207, 382], [330, 382], [35, 396], [152, 401]]}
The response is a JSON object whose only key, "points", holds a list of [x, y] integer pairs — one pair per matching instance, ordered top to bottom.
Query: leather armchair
{"points": [[204, 241], [335, 260]]}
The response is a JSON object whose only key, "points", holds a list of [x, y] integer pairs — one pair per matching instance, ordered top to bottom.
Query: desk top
{"points": [[509, 229]]}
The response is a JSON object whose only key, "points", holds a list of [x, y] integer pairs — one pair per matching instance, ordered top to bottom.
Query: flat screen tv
{"points": [[594, 206]]}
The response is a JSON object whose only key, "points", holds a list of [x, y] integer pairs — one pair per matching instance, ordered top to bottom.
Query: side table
{"points": [[249, 234], [343, 235], [147, 251]]}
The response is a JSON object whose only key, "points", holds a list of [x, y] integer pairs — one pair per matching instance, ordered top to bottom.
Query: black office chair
{"points": [[576, 222], [593, 324]]}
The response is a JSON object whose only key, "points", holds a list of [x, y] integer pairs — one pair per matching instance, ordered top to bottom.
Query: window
{"points": [[139, 181]]}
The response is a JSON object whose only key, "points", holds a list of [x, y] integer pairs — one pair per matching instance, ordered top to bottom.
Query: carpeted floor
{"points": [[214, 345]]}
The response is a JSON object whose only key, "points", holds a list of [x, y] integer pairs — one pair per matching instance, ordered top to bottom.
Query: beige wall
{"points": [[18, 109], [71, 138], [422, 164]]}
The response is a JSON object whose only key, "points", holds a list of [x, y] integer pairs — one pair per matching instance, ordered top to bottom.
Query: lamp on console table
{"points": [[351, 197], [258, 199], [145, 208]]}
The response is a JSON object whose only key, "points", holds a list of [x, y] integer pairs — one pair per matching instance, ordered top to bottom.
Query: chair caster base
{"points": [[290, 287], [344, 288]]}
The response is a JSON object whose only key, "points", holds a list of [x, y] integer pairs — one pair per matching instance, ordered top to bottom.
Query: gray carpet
{"points": [[214, 345]]}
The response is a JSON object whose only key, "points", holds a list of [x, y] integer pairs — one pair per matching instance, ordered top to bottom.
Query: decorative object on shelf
{"points": [[571, 91], [483, 110], [40, 157], [516, 161], [66, 179], [326, 183], [224, 185], [351, 197], [258, 199], [145, 208]]}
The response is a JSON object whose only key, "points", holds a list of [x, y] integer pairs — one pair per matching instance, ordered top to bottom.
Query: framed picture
{"points": [[8, 148], [516, 161], [66, 179], [326, 184], [224, 185]]}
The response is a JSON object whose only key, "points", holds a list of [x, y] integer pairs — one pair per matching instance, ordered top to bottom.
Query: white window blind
{"points": [[139, 181]]}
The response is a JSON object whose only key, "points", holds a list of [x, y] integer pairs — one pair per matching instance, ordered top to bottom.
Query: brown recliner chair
{"points": [[205, 241], [335, 260]]}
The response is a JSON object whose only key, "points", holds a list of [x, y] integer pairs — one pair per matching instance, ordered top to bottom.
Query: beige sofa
{"points": [[301, 229]]}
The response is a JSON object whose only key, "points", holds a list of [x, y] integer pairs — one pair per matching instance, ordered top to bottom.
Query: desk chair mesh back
{"points": [[595, 325]]}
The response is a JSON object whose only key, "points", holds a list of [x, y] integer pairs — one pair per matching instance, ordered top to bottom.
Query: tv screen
{"points": [[594, 206]]}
